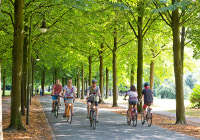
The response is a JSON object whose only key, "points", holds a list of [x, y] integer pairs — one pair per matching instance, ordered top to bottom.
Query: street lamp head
{"points": [[43, 28], [37, 59]]}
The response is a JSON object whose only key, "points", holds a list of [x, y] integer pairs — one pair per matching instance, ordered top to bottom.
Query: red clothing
{"points": [[57, 89]]}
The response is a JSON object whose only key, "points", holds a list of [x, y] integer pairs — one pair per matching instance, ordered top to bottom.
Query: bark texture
{"points": [[140, 53], [178, 69], [90, 70], [115, 70], [101, 71], [151, 75], [107, 83], [78, 84], [82, 93], [15, 120]]}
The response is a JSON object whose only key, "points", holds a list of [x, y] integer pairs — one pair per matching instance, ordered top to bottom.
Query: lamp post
{"points": [[43, 29]]}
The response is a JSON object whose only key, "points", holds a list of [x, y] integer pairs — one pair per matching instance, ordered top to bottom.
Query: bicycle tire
{"points": [[56, 110], [70, 115], [90, 118], [142, 118], [94, 119], [149, 119], [135, 120]]}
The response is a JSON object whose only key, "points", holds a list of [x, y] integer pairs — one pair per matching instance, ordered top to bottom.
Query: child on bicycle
{"points": [[148, 98], [133, 100]]}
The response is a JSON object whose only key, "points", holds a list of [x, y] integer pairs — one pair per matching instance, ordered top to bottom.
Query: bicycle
{"points": [[56, 105], [69, 113], [93, 113], [134, 115], [148, 117]]}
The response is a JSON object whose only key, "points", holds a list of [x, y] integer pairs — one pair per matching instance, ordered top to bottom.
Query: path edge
{"points": [[51, 131]]}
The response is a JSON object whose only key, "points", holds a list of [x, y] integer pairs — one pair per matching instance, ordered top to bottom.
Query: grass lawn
{"points": [[191, 112]]}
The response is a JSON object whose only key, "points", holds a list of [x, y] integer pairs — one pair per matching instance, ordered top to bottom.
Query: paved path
{"points": [[111, 126]]}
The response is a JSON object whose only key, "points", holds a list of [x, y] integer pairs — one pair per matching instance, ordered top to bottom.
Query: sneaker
{"points": [[60, 104], [64, 116], [97, 121]]}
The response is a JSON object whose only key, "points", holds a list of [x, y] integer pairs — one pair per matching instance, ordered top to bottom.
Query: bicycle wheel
{"points": [[56, 110], [127, 116], [90, 118], [142, 118], [94, 119], [149, 119], [135, 120], [70, 121]]}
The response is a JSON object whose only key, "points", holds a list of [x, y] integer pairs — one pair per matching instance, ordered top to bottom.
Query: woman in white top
{"points": [[69, 95], [133, 100]]}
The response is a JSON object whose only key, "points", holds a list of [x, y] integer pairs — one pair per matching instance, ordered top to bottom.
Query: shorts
{"points": [[54, 97], [70, 100], [133, 102], [96, 103], [147, 104]]}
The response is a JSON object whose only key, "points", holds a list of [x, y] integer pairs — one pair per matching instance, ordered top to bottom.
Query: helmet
{"points": [[94, 81], [146, 84]]}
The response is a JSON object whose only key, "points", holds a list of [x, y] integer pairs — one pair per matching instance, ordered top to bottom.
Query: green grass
{"points": [[7, 92], [47, 92], [190, 112]]}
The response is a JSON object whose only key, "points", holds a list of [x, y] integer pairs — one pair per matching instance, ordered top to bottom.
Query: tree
{"points": [[175, 19], [16, 121]]}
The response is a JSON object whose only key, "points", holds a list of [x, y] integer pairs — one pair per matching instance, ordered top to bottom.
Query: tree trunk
{"points": [[182, 44], [140, 55], [178, 69], [115, 70], [90, 71], [101, 72], [24, 73], [132, 75], [151, 75], [43, 81], [63, 81], [75, 81], [4, 82], [107, 83], [78, 84], [86, 85], [32, 88], [82, 93], [16, 121], [1, 131]]}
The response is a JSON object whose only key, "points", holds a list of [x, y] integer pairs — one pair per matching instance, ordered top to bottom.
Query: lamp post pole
{"points": [[29, 64]]}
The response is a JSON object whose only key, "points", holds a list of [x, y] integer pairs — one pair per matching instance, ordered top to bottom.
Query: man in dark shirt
{"points": [[148, 98]]}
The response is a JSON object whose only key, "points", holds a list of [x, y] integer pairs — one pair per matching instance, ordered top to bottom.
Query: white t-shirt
{"points": [[69, 92], [132, 96]]}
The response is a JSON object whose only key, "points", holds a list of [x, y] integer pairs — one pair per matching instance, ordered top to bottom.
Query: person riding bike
{"points": [[56, 90], [95, 90], [69, 95], [148, 98], [133, 100]]}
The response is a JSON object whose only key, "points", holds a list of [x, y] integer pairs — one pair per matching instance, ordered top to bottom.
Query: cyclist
{"points": [[56, 90], [96, 92], [69, 95], [148, 98], [133, 100]]}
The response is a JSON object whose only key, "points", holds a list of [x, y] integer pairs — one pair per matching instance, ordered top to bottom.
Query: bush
{"points": [[195, 96]]}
